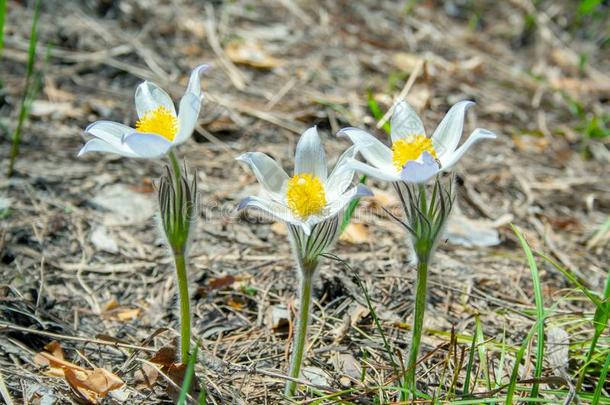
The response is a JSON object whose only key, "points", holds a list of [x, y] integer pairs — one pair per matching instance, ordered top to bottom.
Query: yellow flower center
{"points": [[159, 121], [411, 148], [305, 195]]}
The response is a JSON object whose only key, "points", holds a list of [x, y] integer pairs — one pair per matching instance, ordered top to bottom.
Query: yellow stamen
{"points": [[160, 121], [411, 148], [305, 195]]}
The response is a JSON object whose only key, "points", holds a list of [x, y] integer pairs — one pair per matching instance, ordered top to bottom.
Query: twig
{"points": [[403, 93], [11, 327], [4, 391]]}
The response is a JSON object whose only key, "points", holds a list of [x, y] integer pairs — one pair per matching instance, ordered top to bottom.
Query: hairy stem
{"points": [[175, 166], [185, 311], [418, 323], [300, 336]]}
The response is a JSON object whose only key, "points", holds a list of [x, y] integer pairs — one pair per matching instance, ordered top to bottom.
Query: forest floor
{"points": [[82, 262]]}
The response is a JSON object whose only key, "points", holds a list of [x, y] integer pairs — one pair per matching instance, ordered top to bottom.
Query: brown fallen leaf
{"points": [[251, 53], [406, 61], [531, 144], [383, 199], [279, 229], [355, 234], [221, 282], [235, 303], [110, 305], [113, 310], [128, 314], [165, 356], [146, 376], [89, 384], [93, 384]]}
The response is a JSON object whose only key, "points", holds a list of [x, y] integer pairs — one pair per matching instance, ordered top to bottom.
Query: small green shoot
{"points": [[2, 18], [30, 91], [351, 208], [540, 313], [600, 322], [482, 349], [469, 365], [514, 376], [188, 377], [602, 381]]}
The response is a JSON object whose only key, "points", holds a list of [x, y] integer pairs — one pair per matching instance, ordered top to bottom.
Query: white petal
{"points": [[149, 96], [190, 105], [405, 122], [109, 131], [447, 135], [98, 145], [145, 145], [375, 152], [309, 156], [449, 160], [421, 170], [267, 171], [342, 175], [383, 175], [340, 203], [274, 209]]}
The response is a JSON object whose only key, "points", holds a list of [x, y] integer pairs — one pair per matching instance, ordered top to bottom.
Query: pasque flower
{"points": [[158, 127], [413, 157], [412, 160], [310, 196], [310, 203], [178, 213]]}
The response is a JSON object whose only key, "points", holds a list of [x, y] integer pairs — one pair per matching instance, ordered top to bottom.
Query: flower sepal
{"points": [[178, 208]]}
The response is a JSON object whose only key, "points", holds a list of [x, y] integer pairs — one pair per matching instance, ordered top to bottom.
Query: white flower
{"points": [[158, 128], [414, 158], [310, 196]]}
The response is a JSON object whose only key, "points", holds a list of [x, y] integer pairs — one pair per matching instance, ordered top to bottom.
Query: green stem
{"points": [[175, 166], [185, 312], [418, 323], [300, 337]]}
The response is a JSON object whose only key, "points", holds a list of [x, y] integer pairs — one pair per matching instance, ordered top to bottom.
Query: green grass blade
{"points": [[2, 18], [30, 90], [376, 111], [351, 208], [574, 280], [540, 315], [600, 321], [482, 351], [500, 369], [515, 373], [188, 377], [602, 381], [466, 389]]}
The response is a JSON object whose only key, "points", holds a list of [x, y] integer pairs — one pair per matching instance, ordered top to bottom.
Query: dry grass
{"points": [[319, 59]]}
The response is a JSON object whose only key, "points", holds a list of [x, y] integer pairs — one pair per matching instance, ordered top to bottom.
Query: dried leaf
{"points": [[251, 53], [406, 61], [531, 144], [382, 199], [279, 229], [355, 234], [221, 282], [235, 304], [110, 305], [128, 314], [165, 356], [146, 376], [99, 380], [93, 384]]}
